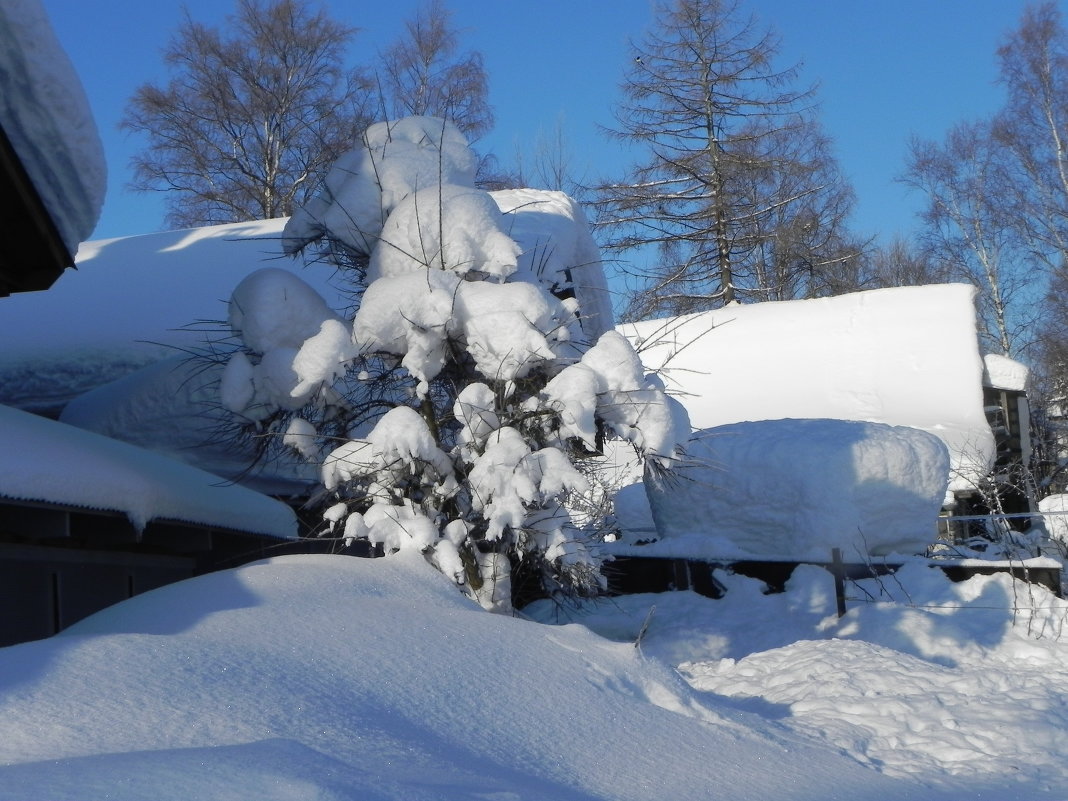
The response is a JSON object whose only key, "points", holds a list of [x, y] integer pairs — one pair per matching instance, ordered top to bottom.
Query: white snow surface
{"points": [[46, 116], [131, 302], [905, 356], [1002, 372], [173, 407], [44, 460], [795, 489], [329, 677], [958, 686]]}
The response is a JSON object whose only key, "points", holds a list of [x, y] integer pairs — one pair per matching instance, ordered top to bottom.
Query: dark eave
{"points": [[32, 253]]}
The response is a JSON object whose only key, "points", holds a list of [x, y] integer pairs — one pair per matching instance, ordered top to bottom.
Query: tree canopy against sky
{"points": [[424, 73], [256, 111], [251, 115], [737, 191], [996, 191]]}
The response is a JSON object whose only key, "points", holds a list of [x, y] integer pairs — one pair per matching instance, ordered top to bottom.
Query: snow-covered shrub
{"points": [[447, 411], [798, 488]]}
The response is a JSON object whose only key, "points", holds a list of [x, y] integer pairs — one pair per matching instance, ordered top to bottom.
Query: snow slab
{"points": [[46, 116], [133, 301], [905, 356], [1001, 372], [43, 460], [796, 489], [330, 677]]}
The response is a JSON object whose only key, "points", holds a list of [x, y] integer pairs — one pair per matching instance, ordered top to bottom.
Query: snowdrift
{"points": [[337, 678]]}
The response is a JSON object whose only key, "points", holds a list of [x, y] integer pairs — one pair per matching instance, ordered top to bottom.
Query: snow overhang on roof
{"points": [[52, 166], [903, 356], [1001, 372], [49, 462]]}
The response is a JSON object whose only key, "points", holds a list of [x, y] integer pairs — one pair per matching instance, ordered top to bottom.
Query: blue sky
{"points": [[886, 70]]}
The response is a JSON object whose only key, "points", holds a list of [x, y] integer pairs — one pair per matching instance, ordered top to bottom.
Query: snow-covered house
{"points": [[887, 361], [1005, 401], [84, 520]]}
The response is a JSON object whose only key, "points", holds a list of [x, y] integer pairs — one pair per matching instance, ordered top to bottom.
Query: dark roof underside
{"points": [[32, 253]]}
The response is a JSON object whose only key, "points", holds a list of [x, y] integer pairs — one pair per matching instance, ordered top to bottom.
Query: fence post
{"points": [[838, 571]]}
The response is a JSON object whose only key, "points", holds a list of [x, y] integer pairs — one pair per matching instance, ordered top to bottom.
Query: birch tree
{"points": [[425, 73], [252, 116], [968, 182]]}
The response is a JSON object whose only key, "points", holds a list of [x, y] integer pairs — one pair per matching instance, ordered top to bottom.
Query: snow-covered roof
{"points": [[46, 116], [127, 305], [903, 356], [1001, 372], [42, 460]]}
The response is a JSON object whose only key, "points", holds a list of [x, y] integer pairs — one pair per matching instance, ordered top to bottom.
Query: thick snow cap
{"points": [[45, 114], [393, 160], [405, 197], [907, 356], [1001, 372], [42, 460], [795, 489]]}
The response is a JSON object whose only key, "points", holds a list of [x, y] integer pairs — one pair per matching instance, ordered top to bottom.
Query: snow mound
{"points": [[795, 489], [334, 677]]}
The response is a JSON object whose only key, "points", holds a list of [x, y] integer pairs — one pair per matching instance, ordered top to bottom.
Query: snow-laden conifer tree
{"points": [[447, 414]]}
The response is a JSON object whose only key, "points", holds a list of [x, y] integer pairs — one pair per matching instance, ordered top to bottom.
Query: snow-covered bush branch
{"points": [[447, 413]]}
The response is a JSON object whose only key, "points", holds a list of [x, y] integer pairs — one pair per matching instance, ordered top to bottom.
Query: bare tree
{"points": [[424, 73], [252, 115], [1033, 128], [551, 163], [967, 181], [738, 194], [903, 263]]}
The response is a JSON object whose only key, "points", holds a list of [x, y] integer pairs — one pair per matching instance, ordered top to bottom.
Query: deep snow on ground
{"points": [[330, 677], [959, 685]]}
